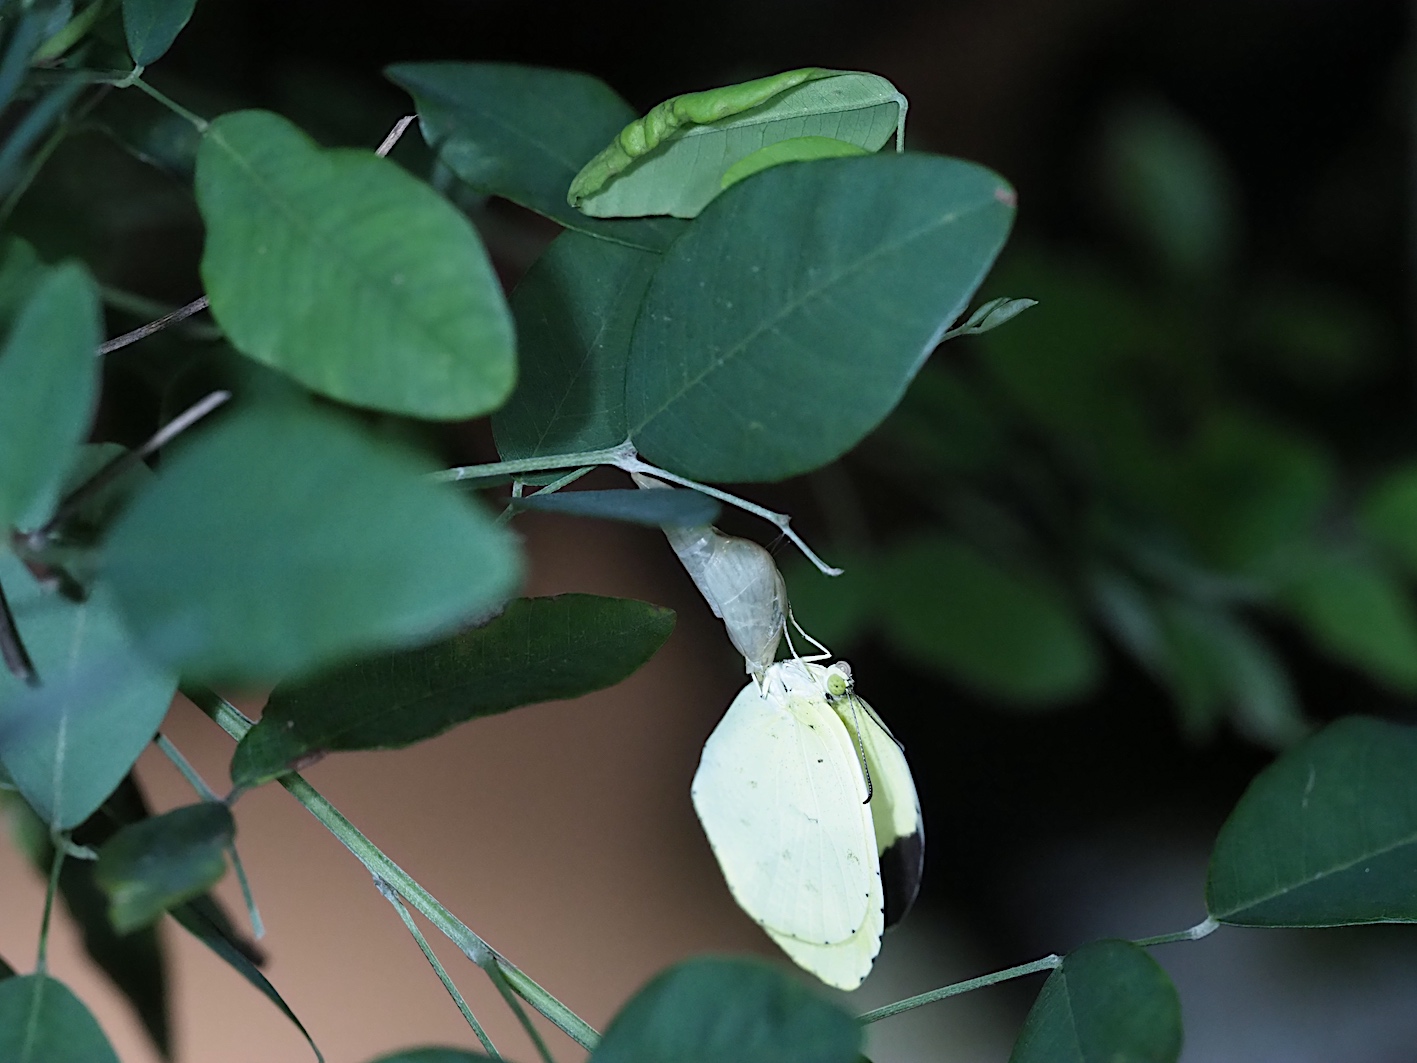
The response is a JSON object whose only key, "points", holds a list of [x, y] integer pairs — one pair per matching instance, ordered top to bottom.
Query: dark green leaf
{"points": [[152, 25], [522, 132], [1171, 187], [344, 271], [574, 310], [788, 321], [48, 387], [655, 508], [1389, 515], [283, 539], [1356, 610], [1007, 631], [539, 649], [70, 741], [1326, 835], [150, 866], [201, 918], [6, 971], [1108, 1003], [721, 1010], [41, 1021], [432, 1055]]}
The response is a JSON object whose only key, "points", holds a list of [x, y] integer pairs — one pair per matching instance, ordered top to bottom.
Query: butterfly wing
{"points": [[780, 795], [895, 814]]}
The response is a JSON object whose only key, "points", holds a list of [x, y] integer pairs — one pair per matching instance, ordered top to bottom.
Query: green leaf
{"points": [[152, 25], [522, 132], [794, 149], [676, 159], [1170, 185], [349, 274], [575, 311], [789, 320], [48, 387], [655, 508], [1389, 515], [283, 539], [1355, 609], [1006, 631], [539, 649], [70, 741], [1324, 836], [151, 866], [205, 921], [133, 961], [6, 971], [1109, 1002], [722, 1010], [41, 1021], [432, 1055]]}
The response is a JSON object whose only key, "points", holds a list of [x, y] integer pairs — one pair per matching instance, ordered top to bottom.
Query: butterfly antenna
{"points": [[861, 749]]}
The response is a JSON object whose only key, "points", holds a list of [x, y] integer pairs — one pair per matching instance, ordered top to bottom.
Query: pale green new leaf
{"points": [[795, 149], [674, 159], [343, 270]]}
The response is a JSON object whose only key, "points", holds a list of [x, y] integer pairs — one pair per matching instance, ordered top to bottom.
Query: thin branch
{"points": [[394, 134], [142, 332], [391, 895], [1047, 963]]}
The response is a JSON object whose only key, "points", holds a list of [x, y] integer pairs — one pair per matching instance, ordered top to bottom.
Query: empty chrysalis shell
{"points": [[740, 582]]}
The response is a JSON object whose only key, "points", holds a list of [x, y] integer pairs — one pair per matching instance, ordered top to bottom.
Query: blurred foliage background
{"points": [[1102, 561]]}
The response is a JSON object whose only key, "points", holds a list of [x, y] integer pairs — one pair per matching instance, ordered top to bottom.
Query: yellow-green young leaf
{"points": [[151, 26], [795, 149], [673, 160], [349, 274], [789, 319], [48, 381], [282, 539], [1007, 631], [538, 649], [1326, 835], [157, 863], [1109, 1002], [720, 1010], [41, 1021]]}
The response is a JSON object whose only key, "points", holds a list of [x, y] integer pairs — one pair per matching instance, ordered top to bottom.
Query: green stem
{"points": [[135, 79], [608, 456], [231, 720], [206, 793], [61, 850], [391, 895], [1204, 928], [1047, 963], [505, 989]]}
